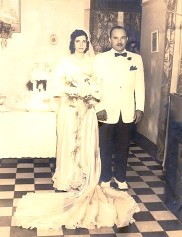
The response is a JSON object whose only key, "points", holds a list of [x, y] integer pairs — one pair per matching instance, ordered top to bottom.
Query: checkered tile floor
{"points": [[145, 179]]}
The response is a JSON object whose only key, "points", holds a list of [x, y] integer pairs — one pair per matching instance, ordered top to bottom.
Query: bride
{"points": [[81, 202]]}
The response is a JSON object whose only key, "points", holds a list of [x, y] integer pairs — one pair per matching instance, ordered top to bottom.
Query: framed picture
{"points": [[12, 9], [154, 41]]}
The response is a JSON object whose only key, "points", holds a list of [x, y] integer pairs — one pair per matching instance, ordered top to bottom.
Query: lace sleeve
{"points": [[63, 82]]}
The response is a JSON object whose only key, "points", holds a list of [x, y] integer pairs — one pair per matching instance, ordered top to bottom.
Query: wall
{"points": [[153, 18], [39, 19], [161, 69]]}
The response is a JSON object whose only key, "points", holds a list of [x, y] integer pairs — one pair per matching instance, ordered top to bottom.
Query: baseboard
{"points": [[145, 144]]}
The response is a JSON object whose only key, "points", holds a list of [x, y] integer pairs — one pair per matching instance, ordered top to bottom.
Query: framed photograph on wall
{"points": [[11, 13], [154, 41]]}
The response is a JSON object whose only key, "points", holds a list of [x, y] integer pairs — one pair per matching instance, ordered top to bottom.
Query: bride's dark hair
{"points": [[73, 36]]}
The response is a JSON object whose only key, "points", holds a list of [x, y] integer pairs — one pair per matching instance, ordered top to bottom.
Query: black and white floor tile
{"points": [[146, 185]]}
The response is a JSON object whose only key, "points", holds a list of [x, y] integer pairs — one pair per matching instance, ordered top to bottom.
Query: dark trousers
{"points": [[114, 139]]}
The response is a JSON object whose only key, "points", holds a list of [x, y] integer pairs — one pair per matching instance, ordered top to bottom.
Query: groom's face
{"points": [[118, 40]]}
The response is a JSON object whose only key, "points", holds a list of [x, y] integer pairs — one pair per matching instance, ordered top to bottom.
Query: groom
{"points": [[121, 104]]}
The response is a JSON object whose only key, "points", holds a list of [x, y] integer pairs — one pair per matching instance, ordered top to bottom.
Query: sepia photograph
{"points": [[90, 118]]}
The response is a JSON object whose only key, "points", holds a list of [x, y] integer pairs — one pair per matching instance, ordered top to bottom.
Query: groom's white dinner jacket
{"points": [[121, 85]]}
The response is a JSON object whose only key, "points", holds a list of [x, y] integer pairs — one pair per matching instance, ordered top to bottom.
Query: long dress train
{"points": [[89, 206]]}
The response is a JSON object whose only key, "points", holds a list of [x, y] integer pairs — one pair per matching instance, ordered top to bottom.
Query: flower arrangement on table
{"points": [[6, 31], [2, 99]]}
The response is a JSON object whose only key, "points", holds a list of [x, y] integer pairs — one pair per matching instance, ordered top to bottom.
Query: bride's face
{"points": [[80, 44]]}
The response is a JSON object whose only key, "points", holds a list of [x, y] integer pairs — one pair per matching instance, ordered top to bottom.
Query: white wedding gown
{"points": [[85, 204]]}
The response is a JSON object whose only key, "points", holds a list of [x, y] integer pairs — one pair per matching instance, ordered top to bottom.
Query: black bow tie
{"points": [[121, 54]]}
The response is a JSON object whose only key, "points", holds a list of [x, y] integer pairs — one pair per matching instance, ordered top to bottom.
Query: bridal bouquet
{"points": [[83, 86]]}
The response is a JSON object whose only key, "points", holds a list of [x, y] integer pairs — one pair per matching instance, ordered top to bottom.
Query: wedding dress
{"points": [[84, 203]]}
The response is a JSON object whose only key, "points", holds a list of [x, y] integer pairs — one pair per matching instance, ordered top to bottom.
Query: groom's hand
{"points": [[102, 115], [138, 116]]}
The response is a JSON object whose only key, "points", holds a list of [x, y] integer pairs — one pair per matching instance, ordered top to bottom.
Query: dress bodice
{"points": [[77, 69], [75, 76]]}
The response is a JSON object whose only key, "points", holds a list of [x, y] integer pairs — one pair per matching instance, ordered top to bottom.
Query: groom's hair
{"points": [[119, 28], [73, 36]]}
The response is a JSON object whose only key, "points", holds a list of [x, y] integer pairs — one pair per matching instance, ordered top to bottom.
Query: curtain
{"points": [[120, 5], [104, 15], [101, 23], [166, 76], [179, 85]]}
